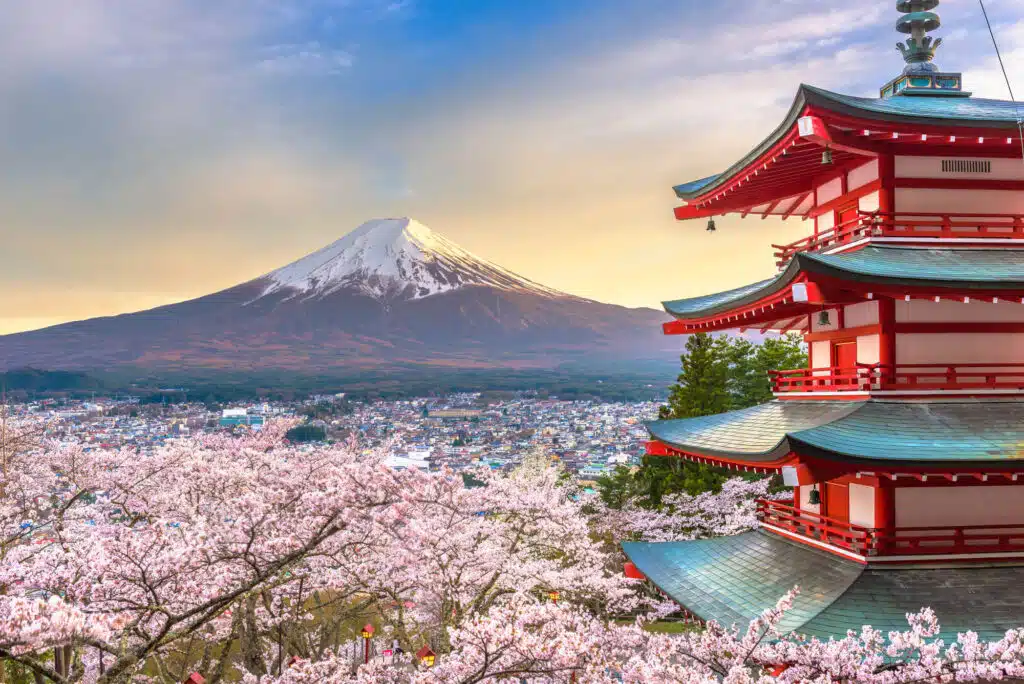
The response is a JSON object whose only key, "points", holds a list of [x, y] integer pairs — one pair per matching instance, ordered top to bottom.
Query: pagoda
{"points": [[902, 442]]}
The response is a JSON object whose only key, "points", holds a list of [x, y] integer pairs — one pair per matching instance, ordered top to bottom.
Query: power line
{"points": [[1006, 77]]}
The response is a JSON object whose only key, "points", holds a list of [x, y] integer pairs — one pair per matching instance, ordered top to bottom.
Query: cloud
{"points": [[310, 57], [163, 149]]}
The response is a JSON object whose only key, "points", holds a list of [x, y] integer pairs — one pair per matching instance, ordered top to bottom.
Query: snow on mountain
{"points": [[394, 258]]}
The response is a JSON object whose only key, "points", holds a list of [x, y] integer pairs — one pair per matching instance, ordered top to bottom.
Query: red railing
{"points": [[921, 225], [961, 376], [908, 377], [833, 379], [839, 533], [900, 541]]}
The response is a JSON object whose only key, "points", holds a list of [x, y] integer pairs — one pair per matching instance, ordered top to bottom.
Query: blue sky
{"points": [[157, 150]]}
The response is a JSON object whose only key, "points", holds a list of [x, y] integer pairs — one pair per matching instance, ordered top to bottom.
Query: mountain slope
{"points": [[391, 294]]}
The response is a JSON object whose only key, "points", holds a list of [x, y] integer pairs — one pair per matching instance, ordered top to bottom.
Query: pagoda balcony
{"points": [[921, 226], [916, 378], [894, 543]]}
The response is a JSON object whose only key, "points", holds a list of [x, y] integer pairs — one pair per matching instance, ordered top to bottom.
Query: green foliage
{"points": [[717, 375], [34, 381], [749, 383], [702, 388], [306, 433]]}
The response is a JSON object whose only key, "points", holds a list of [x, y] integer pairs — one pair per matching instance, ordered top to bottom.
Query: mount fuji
{"points": [[392, 294]]}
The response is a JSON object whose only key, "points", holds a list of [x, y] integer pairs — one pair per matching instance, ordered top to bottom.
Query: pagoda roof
{"points": [[947, 112], [950, 269], [965, 432], [757, 434], [732, 580]]}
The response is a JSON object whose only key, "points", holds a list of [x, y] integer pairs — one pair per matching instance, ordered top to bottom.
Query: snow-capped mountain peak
{"points": [[394, 258]]}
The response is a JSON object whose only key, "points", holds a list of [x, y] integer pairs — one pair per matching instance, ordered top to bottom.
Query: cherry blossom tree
{"points": [[247, 558]]}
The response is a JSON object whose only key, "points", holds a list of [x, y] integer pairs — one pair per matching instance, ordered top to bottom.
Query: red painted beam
{"points": [[960, 183], [691, 211], [675, 328], [859, 331], [656, 448]]}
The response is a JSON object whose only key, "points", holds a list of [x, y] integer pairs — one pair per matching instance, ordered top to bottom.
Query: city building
{"points": [[239, 416], [902, 442]]}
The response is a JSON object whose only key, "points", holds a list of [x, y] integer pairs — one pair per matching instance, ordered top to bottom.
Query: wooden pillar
{"points": [[887, 176], [887, 339], [885, 510]]}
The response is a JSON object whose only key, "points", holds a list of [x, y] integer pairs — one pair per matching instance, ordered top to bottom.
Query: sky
{"points": [[154, 151]]}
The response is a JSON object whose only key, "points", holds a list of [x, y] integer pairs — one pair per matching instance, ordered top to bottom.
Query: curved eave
{"points": [[899, 110], [946, 270], [729, 300], [956, 435], [757, 436], [968, 436], [768, 461], [731, 580]]}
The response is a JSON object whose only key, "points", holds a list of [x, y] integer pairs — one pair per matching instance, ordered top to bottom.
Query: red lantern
{"points": [[367, 634]]}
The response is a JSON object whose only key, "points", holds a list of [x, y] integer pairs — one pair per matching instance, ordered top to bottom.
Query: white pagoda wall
{"points": [[931, 167], [862, 175], [828, 191], [910, 200], [958, 201], [869, 202], [924, 311], [863, 313], [959, 347], [953, 348], [862, 505], [952, 506]]}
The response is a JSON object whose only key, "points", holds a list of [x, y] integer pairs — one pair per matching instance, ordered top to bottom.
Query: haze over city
{"points": [[161, 150]]}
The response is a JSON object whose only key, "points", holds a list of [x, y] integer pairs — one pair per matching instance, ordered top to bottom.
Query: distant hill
{"points": [[390, 296]]}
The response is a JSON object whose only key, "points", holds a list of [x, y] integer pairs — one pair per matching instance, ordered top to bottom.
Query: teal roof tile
{"points": [[960, 110], [695, 186], [963, 268], [698, 306], [758, 431], [963, 431], [936, 432], [731, 580], [986, 600]]}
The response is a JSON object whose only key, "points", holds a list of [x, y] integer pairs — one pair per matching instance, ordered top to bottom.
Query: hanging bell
{"points": [[826, 157], [711, 225], [823, 318], [814, 498]]}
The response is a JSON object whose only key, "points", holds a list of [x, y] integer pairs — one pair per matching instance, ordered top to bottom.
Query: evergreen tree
{"points": [[748, 365], [702, 388]]}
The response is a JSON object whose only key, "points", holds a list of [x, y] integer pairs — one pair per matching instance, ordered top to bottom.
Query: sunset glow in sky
{"points": [[158, 150]]}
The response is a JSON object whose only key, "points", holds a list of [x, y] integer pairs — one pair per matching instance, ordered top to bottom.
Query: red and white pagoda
{"points": [[903, 440]]}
